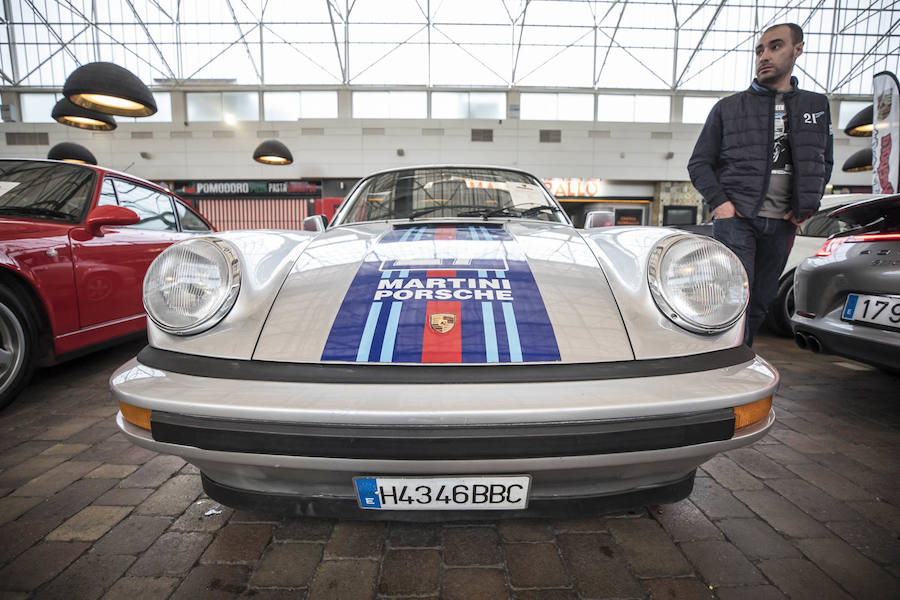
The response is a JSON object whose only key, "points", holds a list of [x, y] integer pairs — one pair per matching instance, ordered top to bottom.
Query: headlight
{"points": [[698, 283], [191, 286]]}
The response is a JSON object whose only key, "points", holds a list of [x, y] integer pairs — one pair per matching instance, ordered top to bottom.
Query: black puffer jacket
{"points": [[732, 159]]}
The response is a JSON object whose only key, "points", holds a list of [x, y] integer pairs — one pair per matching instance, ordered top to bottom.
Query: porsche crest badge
{"points": [[442, 322]]}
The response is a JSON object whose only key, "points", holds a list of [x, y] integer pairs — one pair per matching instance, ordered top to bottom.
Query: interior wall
{"points": [[345, 147]]}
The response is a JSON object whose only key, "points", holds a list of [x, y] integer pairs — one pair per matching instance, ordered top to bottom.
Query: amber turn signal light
{"points": [[748, 414], [136, 415]]}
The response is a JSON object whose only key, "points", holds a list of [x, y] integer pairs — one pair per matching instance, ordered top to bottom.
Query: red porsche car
{"points": [[75, 243]]}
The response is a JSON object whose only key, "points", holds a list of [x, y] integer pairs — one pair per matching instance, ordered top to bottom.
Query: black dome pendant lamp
{"points": [[108, 88], [66, 113], [861, 123], [71, 152], [273, 152], [861, 160]]}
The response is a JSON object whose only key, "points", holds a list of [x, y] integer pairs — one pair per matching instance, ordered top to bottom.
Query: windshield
{"points": [[39, 190], [450, 192]]}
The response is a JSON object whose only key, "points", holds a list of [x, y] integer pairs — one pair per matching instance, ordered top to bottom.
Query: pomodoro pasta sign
{"points": [[246, 188]]}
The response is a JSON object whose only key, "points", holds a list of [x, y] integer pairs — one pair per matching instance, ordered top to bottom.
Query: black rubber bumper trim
{"points": [[261, 370], [481, 442], [345, 508]]}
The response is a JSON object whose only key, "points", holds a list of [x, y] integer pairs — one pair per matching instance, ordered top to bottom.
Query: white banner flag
{"points": [[886, 134]]}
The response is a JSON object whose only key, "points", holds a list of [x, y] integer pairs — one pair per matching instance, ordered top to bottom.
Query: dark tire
{"points": [[778, 319], [18, 343]]}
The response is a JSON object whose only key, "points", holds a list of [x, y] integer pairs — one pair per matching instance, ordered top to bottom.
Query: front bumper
{"points": [[577, 439]]}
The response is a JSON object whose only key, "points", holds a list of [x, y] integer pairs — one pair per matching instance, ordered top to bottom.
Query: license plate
{"points": [[880, 310], [506, 492]]}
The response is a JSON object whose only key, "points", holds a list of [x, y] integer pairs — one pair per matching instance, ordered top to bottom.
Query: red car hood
{"points": [[14, 229]]}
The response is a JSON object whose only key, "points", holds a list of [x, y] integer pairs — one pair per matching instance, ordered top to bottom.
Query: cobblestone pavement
{"points": [[810, 511]]}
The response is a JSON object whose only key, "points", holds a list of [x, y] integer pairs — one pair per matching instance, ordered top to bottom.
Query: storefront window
{"points": [[318, 105], [390, 105], [468, 105], [204, 106], [222, 106], [240, 106], [281, 106], [290, 106], [557, 107], [36, 108], [624, 108], [695, 109]]}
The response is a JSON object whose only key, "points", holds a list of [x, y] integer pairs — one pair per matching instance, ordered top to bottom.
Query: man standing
{"points": [[761, 163]]}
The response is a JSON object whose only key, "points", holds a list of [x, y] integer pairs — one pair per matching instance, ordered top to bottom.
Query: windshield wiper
{"points": [[539, 209], [33, 211], [425, 211], [486, 211], [510, 211], [490, 212]]}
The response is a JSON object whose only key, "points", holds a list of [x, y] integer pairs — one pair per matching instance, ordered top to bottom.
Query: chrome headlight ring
{"points": [[688, 272], [170, 285]]}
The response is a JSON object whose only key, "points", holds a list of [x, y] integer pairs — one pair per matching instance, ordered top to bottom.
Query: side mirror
{"points": [[109, 215], [599, 218], [315, 223]]}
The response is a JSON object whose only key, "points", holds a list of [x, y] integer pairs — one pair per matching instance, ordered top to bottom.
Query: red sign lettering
{"points": [[884, 165]]}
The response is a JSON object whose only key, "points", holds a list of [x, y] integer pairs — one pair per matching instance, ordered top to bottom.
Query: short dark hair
{"points": [[796, 31]]}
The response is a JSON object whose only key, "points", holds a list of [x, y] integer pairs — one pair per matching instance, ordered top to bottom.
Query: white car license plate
{"points": [[881, 310], [506, 492]]}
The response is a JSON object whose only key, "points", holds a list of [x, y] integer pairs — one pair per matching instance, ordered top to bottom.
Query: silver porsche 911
{"points": [[449, 343]]}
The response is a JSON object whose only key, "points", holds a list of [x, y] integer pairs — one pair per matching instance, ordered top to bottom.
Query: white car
{"points": [[450, 343]]}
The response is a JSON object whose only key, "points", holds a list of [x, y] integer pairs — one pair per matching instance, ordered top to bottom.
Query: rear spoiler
{"points": [[868, 211]]}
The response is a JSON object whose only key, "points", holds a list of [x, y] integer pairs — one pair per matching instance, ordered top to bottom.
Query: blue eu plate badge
{"points": [[850, 306], [367, 489]]}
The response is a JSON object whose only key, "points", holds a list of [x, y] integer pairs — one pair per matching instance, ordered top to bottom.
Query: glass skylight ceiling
{"points": [[665, 45]]}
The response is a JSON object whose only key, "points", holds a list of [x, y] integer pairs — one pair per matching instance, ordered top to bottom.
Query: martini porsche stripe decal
{"points": [[468, 296], [368, 332], [490, 332], [390, 333], [441, 344]]}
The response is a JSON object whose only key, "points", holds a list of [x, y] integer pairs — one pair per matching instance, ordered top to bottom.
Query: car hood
{"points": [[13, 229], [446, 293]]}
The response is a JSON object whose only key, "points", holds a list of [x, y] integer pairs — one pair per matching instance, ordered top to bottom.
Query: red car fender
{"points": [[58, 312]]}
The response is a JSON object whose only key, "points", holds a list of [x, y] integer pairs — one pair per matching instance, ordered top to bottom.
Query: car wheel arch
{"points": [[35, 304], [778, 317], [20, 338]]}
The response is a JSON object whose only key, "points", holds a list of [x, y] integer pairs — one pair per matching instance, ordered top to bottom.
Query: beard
{"points": [[770, 76]]}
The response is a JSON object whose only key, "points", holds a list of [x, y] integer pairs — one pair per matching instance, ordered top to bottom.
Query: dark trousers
{"points": [[763, 245]]}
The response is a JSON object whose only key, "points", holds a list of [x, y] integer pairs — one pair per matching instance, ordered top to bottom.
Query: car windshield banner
{"points": [[885, 151]]}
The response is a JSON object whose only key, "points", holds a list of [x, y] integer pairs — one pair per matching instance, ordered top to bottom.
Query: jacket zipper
{"points": [[769, 161], [795, 197]]}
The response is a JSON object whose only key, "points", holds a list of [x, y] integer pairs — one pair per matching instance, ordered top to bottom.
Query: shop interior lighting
{"points": [[108, 88], [66, 113], [861, 123], [71, 152], [273, 152], [861, 160]]}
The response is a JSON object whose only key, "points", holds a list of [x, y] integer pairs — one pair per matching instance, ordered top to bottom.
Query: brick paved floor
{"points": [[811, 511]]}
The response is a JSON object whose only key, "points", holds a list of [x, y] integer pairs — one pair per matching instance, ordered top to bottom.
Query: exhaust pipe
{"points": [[800, 339], [814, 344]]}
